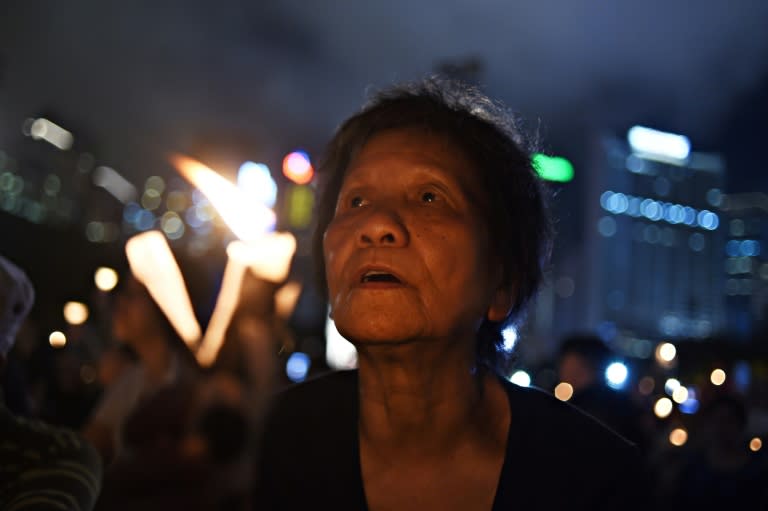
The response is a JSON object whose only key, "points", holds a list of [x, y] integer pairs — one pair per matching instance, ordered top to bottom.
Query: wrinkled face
{"points": [[407, 252]]}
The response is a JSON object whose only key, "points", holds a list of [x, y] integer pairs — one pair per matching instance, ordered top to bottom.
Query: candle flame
{"points": [[248, 219], [269, 258], [153, 264]]}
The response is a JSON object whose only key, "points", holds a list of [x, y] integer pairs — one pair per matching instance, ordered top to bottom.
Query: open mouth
{"points": [[379, 276]]}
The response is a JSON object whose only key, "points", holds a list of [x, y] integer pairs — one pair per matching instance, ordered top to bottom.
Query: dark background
{"points": [[232, 81]]}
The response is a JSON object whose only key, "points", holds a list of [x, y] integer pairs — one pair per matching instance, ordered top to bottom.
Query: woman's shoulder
{"points": [[333, 392], [322, 404], [539, 416], [553, 444], [308, 445]]}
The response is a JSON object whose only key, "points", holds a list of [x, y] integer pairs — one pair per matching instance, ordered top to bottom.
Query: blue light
{"points": [[658, 144], [256, 181], [605, 199], [617, 203], [621, 204], [651, 210], [131, 212], [674, 213], [689, 215], [145, 220], [708, 220], [732, 248], [749, 248], [509, 334], [297, 366], [616, 375], [742, 375], [521, 378], [689, 406]]}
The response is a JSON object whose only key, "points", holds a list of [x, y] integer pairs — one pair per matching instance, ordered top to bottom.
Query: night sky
{"points": [[230, 81]]}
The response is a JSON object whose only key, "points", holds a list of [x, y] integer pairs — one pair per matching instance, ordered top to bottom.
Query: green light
{"points": [[553, 168]]}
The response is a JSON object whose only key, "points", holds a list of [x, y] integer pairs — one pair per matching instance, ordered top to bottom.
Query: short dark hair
{"points": [[517, 213]]}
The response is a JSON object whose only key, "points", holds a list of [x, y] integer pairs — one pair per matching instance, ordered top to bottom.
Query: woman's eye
{"points": [[428, 197], [356, 202]]}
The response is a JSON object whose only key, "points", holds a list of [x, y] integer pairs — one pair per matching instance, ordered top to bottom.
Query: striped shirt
{"points": [[43, 467]]}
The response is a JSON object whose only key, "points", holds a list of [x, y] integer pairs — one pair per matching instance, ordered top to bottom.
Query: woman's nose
{"points": [[382, 227]]}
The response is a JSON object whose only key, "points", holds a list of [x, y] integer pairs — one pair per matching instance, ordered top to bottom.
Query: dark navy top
{"points": [[557, 456]]}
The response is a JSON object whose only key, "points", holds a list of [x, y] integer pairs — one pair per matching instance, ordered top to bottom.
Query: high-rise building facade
{"points": [[653, 244], [746, 265]]}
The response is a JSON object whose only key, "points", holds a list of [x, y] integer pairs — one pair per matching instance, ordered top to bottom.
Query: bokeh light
{"points": [[298, 168], [255, 180], [155, 183], [105, 278], [75, 313], [510, 336], [57, 339], [339, 352], [665, 352], [297, 366], [616, 375], [717, 377], [521, 378], [671, 385], [564, 391], [680, 394], [663, 408], [678, 437], [755, 444]]}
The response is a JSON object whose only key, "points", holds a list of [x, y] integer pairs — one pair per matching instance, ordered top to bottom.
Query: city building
{"points": [[651, 258], [746, 266]]}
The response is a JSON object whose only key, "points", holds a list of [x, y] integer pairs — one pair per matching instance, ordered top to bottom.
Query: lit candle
{"points": [[267, 254], [153, 264]]}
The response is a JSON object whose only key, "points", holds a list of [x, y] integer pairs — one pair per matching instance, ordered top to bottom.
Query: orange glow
{"points": [[297, 168], [248, 219], [269, 258], [154, 265], [105, 278], [286, 298], [226, 303], [75, 313], [57, 339], [665, 353], [717, 377], [564, 391], [678, 437], [755, 444]]}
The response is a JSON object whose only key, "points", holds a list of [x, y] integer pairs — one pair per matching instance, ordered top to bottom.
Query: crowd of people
{"points": [[432, 236]]}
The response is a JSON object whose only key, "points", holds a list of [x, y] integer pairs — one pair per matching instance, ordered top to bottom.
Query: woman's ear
{"points": [[501, 304]]}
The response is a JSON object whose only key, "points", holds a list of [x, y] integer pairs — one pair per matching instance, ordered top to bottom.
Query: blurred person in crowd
{"points": [[432, 234], [253, 340], [163, 359], [114, 361], [582, 361], [181, 450], [43, 467], [721, 472]]}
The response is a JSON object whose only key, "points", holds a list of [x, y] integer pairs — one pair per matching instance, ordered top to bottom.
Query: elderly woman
{"points": [[433, 230]]}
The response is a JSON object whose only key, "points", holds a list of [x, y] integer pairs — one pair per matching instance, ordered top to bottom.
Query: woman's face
{"points": [[407, 252]]}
